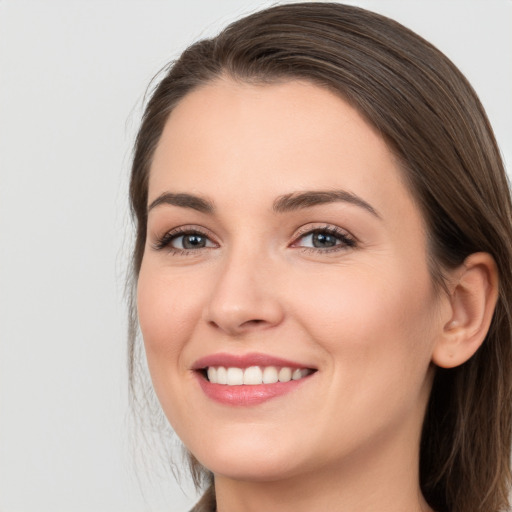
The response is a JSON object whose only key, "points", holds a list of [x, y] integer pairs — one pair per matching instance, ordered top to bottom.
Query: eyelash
{"points": [[347, 241], [164, 242]]}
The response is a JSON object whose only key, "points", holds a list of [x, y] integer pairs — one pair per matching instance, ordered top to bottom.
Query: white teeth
{"points": [[212, 374], [300, 374], [222, 375], [254, 375], [270, 375], [285, 375], [296, 375], [235, 377]]}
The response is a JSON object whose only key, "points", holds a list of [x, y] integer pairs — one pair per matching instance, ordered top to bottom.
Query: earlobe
{"points": [[474, 292]]}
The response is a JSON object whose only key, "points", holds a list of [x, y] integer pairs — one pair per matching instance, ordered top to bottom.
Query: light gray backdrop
{"points": [[72, 77]]}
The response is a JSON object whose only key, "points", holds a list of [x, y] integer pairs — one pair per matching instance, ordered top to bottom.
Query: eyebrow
{"points": [[299, 200], [184, 201], [285, 203]]}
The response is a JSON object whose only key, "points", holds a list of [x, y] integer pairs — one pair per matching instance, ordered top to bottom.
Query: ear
{"points": [[474, 292]]}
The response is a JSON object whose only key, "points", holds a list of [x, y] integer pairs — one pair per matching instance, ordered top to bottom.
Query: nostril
{"points": [[249, 323]]}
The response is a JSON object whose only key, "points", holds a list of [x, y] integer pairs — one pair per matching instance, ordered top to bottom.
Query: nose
{"points": [[244, 297]]}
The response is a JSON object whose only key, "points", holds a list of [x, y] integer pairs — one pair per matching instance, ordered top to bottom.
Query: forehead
{"points": [[266, 140]]}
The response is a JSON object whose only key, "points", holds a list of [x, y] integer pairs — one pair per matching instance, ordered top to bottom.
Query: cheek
{"points": [[167, 315], [362, 317], [167, 319], [376, 331]]}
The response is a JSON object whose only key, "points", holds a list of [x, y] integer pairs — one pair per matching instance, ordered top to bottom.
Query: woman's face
{"points": [[283, 243]]}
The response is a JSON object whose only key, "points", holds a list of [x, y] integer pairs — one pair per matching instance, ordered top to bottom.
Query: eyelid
{"points": [[347, 239], [164, 241]]}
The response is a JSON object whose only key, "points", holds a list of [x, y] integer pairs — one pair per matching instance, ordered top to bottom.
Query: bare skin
{"points": [[339, 284]]}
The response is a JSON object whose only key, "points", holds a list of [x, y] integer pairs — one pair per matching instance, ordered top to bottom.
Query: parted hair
{"points": [[434, 123]]}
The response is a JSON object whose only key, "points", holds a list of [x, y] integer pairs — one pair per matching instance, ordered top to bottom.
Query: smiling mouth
{"points": [[253, 375]]}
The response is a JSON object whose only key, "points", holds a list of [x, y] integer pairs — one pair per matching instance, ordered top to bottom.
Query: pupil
{"points": [[323, 240], [193, 241]]}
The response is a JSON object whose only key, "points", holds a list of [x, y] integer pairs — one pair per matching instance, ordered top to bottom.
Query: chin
{"points": [[248, 460], [249, 471]]}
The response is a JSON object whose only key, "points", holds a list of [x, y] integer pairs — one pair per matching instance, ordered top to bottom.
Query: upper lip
{"points": [[245, 361]]}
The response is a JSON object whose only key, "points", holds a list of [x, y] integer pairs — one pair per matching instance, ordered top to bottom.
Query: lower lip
{"points": [[247, 395]]}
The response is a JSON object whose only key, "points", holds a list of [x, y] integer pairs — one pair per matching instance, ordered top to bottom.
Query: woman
{"points": [[323, 270]]}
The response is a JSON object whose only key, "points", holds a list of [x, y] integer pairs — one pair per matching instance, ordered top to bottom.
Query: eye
{"points": [[326, 238], [182, 240], [191, 241]]}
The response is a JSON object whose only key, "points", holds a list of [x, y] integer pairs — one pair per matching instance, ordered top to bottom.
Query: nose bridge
{"points": [[242, 298]]}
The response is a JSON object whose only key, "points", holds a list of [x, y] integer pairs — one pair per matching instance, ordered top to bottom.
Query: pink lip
{"points": [[244, 361], [245, 395]]}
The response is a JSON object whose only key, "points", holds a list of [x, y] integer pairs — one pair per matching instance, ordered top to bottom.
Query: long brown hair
{"points": [[434, 123]]}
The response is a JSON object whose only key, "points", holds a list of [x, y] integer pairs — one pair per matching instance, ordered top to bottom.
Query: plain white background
{"points": [[72, 77]]}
